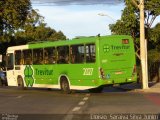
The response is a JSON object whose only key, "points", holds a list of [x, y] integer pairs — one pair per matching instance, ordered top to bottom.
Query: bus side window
{"points": [[77, 53], [90, 53], [27, 55], [50, 55], [63, 55], [38, 56], [46, 56], [18, 57], [10, 64]]}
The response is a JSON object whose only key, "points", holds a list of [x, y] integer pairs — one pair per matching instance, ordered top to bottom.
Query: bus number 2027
{"points": [[87, 71]]}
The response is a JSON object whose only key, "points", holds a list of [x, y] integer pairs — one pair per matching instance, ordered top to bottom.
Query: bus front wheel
{"points": [[20, 83], [65, 85]]}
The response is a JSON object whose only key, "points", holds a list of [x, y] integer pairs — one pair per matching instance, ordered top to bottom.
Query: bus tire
{"points": [[20, 83], [65, 85]]}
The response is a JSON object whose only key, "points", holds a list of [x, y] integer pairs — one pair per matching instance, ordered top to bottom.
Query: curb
{"points": [[149, 90]]}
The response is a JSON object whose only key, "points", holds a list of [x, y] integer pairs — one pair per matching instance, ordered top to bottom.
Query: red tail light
{"points": [[125, 41], [102, 73]]}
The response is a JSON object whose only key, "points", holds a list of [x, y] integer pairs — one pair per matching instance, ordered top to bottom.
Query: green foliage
{"points": [[152, 7], [12, 15], [33, 19], [129, 23], [19, 24], [116, 28], [35, 29], [38, 33], [155, 36], [153, 56]]}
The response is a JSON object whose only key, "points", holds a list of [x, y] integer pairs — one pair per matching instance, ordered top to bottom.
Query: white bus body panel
{"points": [[13, 74]]}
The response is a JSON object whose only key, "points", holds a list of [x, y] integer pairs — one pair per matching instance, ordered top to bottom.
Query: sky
{"points": [[76, 2], [79, 17]]}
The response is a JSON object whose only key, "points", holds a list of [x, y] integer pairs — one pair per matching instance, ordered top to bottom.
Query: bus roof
{"points": [[81, 40]]}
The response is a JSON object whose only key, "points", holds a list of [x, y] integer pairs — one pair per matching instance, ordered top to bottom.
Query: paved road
{"points": [[53, 104]]}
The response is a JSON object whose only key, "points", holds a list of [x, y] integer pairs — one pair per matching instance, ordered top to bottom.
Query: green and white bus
{"points": [[79, 64]]}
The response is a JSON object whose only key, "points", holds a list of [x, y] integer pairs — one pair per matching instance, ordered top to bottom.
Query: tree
{"points": [[152, 10], [12, 16], [129, 22], [19, 24], [35, 29], [38, 33], [57, 36], [155, 36]]}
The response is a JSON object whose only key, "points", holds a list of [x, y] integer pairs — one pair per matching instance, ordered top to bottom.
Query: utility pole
{"points": [[143, 45]]}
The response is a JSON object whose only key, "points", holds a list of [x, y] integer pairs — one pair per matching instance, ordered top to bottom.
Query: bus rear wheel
{"points": [[65, 85]]}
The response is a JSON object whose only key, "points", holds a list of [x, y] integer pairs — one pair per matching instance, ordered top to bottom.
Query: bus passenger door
{"points": [[10, 70]]}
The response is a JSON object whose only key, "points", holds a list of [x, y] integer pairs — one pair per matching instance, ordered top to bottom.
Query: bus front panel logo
{"points": [[28, 73]]}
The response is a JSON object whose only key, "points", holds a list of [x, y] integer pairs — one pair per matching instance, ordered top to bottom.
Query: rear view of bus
{"points": [[117, 60]]}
